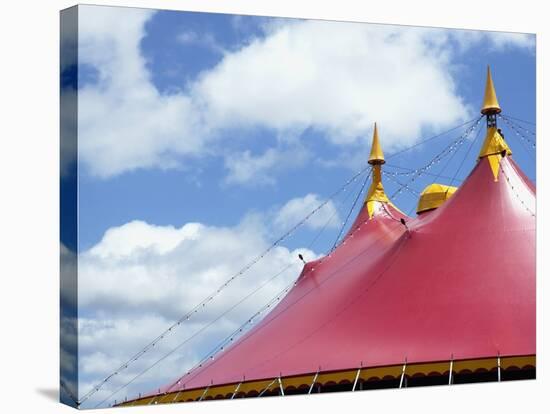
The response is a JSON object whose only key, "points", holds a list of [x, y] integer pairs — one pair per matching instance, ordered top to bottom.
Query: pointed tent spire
{"points": [[490, 101], [494, 147], [376, 154], [376, 191]]}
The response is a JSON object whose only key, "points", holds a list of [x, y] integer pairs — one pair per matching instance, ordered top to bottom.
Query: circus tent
{"points": [[446, 296]]}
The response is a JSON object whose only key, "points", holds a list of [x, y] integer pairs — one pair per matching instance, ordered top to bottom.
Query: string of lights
{"points": [[518, 124], [514, 127], [424, 141], [450, 149], [408, 172], [414, 192], [518, 196], [341, 232], [220, 289], [208, 299], [245, 326], [222, 346]]}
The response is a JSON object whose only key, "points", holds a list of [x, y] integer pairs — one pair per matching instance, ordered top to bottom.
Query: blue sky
{"points": [[197, 127], [198, 192]]}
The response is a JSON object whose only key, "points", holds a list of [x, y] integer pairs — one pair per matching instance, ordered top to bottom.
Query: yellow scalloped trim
{"points": [[367, 373]]}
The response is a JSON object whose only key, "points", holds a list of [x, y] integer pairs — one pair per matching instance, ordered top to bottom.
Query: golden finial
{"points": [[490, 101], [494, 147], [376, 154], [376, 193]]}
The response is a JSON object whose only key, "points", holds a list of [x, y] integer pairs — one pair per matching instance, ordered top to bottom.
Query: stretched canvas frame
{"points": [[77, 161]]}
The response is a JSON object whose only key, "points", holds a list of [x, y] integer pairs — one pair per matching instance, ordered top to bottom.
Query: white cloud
{"points": [[188, 37], [207, 40], [503, 40], [498, 41], [333, 77], [336, 77], [124, 122], [246, 168], [297, 208], [138, 236], [167, 269], [140, 278], [106, 342]]}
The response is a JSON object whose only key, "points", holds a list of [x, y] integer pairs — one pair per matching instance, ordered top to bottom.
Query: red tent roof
{"points": [[457, 282], [460, 283]]}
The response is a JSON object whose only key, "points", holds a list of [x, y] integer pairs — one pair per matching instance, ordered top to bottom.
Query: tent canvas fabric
{"points": [[455, 283], [458, 283]]}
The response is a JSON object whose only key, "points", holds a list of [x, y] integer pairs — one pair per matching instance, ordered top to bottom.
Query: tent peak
{"points": [[490, 101], [494, 146], [376, 154], [376, 193]]}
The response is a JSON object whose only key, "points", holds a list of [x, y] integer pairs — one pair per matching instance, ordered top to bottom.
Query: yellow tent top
{"points": [[433, 196]]}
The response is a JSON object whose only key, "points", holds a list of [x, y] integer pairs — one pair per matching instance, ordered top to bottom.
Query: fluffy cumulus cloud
{"points": [[335, 78], [124, 122], [296, 209], [168, 268], [140, 278]]}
